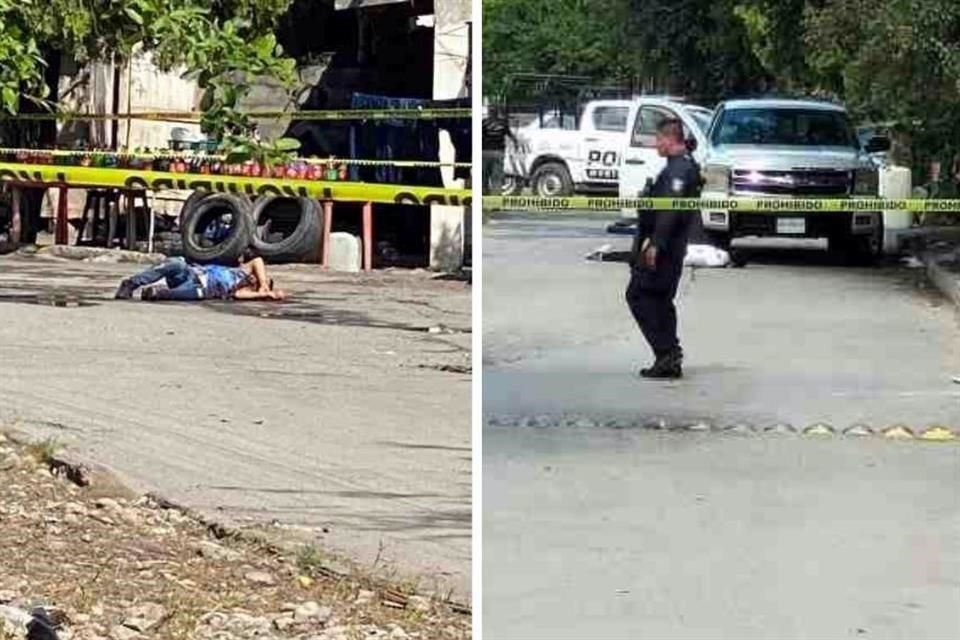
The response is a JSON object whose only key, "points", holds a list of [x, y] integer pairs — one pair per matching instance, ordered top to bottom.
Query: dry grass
{"points": [[44, 451]]}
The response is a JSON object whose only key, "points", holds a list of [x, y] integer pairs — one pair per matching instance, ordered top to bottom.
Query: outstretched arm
{"points": [[258, 268], [249, 293]]}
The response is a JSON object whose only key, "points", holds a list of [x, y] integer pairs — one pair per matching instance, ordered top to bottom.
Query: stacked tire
{"points": [[221, 227], [286, 229]]}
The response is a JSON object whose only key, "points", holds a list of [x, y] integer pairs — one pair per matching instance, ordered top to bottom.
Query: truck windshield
{"points": [[702, 118], [791, 127]]}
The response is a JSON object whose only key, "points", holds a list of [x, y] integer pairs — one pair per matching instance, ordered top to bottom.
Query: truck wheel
{"points": [[552, 180], [512, 185], [840, 246], [854, 250], [866, 250], [738, 258]]}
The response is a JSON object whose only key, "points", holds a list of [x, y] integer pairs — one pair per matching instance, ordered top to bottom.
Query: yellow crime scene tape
{"points": [[194, 116], [23, 154], [97, 177], [581, 204]]}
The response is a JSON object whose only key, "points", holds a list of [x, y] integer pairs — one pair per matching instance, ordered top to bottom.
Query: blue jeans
{"points": [[182, 282]]}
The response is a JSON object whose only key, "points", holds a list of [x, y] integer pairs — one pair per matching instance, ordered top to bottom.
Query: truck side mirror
{"points": [[877, 144]]}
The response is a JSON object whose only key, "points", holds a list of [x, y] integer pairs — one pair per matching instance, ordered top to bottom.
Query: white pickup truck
{"points": [[788, 149], [554, 159]]}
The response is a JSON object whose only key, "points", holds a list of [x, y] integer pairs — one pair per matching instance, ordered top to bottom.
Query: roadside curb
{"points": [[920, 242], [946, 282], [816, 431]]}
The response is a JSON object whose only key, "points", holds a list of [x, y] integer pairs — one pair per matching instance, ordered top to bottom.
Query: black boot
{"points": [[125, 290], [668, 366]]}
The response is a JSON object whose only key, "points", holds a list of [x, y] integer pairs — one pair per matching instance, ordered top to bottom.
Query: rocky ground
{"points": [[105, 565]]}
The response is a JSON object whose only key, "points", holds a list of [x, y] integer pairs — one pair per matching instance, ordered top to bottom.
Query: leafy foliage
{"points": [[573, 37], [222, 44], [887, 60], [896, 60], [21, 66]]}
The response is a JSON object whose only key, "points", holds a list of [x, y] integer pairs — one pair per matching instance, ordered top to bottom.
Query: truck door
{"points": [[604, 129], [640, 158]]}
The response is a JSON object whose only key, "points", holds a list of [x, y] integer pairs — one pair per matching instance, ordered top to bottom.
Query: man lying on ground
{"points": [[185, 281]]}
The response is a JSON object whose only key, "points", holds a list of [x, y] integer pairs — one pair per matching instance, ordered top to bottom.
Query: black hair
{"points": [[671, 127], [248, 255]]}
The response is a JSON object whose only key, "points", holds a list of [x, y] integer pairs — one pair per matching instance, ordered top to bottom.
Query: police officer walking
{"points": [[658, 252]]}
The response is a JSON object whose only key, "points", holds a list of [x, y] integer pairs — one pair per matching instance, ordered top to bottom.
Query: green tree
{"points": [[774, 30], [570, 37], [223, 44], [696, 47], [887, 60], [894, 60], [21, 65]]}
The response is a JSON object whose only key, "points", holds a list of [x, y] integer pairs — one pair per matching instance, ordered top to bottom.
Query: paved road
{"points": [[791, 338], [329, 415], [632, 533]]}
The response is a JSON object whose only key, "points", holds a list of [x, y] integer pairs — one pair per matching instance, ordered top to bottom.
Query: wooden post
{"points": [[112, 213], [131, 222], [16, 223], [152, 226], [61, 235], [368, 236], [325, 238]]}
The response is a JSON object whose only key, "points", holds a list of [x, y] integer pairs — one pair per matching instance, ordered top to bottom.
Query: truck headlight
{"points": [[716, 178], [866, 182]]}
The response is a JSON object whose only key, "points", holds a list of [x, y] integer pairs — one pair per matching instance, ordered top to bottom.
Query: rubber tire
{"points": [[557, 169], [512, 185], [197, 197], [192, 201], [302, 244], [872, 247], [864, 250], [228, 251]]}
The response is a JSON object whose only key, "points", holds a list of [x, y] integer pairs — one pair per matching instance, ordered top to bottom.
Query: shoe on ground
{"points": [[125, 290], [149, 294], [666, 367], [673, 372]]}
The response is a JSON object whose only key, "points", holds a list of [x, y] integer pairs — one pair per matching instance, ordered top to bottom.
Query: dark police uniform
{"points": [[496, 130], [651, 292]]}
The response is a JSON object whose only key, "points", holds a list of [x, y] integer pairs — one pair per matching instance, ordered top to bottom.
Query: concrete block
{"points": [[895, 183], [446, 237], [345, 253]]}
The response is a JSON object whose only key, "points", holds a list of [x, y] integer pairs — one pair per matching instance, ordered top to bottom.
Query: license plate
{"points": [[791, 226]]}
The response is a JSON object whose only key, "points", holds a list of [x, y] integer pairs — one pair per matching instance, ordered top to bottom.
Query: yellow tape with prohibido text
{"points": [[193, 116], [43, 156], [33, 175], [586, 204]]}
